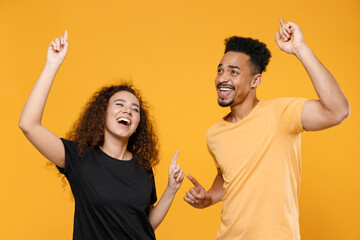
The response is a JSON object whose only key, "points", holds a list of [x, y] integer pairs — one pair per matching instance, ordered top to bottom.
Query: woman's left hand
{"points": [[176, 174]]}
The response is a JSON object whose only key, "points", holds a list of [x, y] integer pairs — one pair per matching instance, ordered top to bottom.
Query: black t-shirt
{"points": [[112, 197]]}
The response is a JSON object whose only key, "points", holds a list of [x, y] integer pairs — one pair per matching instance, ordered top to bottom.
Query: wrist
{"points": [[302, 51], [51, 66], [172, 190]]}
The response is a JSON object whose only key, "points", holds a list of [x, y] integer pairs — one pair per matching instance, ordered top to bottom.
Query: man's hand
{"points": [[289, 38], [197, 196]]}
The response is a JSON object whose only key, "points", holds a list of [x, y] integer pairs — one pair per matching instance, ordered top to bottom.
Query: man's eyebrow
{"points": [[230, 66], [122, 100]]}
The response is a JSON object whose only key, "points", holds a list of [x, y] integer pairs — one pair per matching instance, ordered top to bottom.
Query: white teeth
{"points": [[225, 89], [127, 121]]}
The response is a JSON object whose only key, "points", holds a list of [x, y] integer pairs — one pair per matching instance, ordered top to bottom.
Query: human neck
{"points": [[241, 110], [116, 148]]}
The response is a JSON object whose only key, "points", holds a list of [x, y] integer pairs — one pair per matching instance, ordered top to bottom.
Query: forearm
{"points": [[330, 95], [35, 104], [217, 190], [158, 213]]}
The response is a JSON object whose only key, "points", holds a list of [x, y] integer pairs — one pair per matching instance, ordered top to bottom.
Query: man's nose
{"points": [[223, 78]]}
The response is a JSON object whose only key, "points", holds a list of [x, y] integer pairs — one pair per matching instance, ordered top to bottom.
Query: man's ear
{"points": [[256, 80]]}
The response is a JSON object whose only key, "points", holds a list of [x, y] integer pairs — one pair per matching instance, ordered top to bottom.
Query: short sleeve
{"points": [[291, 110], [212, 155], [71, 157], [153, 196]]}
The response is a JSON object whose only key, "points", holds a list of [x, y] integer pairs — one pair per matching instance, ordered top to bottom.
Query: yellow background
{"points": [[171, 50]]}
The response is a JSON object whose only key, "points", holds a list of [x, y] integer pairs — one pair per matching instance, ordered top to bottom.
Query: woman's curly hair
{"points": [[88, 130]]}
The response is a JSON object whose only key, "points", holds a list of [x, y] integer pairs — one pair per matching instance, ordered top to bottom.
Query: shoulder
{"points": [[281, 104], [215, 127], [70, 145]]}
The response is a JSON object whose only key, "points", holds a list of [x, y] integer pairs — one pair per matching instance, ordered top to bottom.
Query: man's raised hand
{"points": [[289, 37], [57, 50], [197, 196]]}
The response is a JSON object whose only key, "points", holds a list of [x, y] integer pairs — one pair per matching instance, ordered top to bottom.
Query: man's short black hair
{"points": [[256, 50]]}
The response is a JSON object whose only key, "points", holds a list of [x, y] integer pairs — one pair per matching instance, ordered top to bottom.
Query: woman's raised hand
{"points": [[57, 50], [176, 174]]}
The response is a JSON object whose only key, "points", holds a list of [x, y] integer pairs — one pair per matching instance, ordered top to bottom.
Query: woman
{"points": [[108, 161]]}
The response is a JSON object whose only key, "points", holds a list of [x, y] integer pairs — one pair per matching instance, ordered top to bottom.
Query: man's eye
{"points": [[219, 70], [234, 72]]}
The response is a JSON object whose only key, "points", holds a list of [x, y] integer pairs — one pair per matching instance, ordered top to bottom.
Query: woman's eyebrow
{"points": [[122, 100]]}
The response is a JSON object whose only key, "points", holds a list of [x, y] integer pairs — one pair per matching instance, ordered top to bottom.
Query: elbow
{"points": [[342, 113], [24, 126], [154, 225]]}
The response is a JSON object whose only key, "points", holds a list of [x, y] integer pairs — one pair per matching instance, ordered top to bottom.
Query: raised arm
{"points": [[332, 106], [46, 142], [176, 176], [198, 197]]}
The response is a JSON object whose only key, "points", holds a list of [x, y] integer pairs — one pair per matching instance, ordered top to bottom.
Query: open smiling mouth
{"points": [[225, 87], [224, 90], [124, 121]]}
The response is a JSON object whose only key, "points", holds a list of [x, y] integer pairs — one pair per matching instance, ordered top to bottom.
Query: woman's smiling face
{"points": [[122, 115]]}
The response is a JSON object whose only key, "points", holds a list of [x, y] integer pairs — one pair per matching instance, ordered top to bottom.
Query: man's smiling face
{"points": [[233, 79]]}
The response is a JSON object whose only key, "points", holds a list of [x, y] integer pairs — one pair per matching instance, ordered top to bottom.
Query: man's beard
{"points": [[218, 86], [224, 104]]}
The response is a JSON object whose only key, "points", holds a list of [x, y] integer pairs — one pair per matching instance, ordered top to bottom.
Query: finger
{"points": [[282, 21], [288, 27], [281, 31], [285, 31], [66, 35], [277, 38], [62, 40], [57, 41], [52, 45], [173, 161], [177, 168], [179, 175], [182, 177], [193, 180], [195, 193], [191, 197], [188, 200]]}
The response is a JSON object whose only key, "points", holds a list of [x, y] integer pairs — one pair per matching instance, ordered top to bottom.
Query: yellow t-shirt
{"points": [[259, 158]]}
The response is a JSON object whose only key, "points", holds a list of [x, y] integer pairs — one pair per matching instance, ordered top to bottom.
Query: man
{"points": [[256, 147]]}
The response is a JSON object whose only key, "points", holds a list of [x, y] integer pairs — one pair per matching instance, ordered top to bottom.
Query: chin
{"points": [[223, 103]]}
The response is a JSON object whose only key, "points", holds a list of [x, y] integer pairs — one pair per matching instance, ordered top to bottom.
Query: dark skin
{"points": [[236, 87]]}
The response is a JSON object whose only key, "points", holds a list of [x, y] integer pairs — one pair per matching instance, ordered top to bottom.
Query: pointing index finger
{"points": [[282, 21], [66, 35], [173, 161], [194, 181]]}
